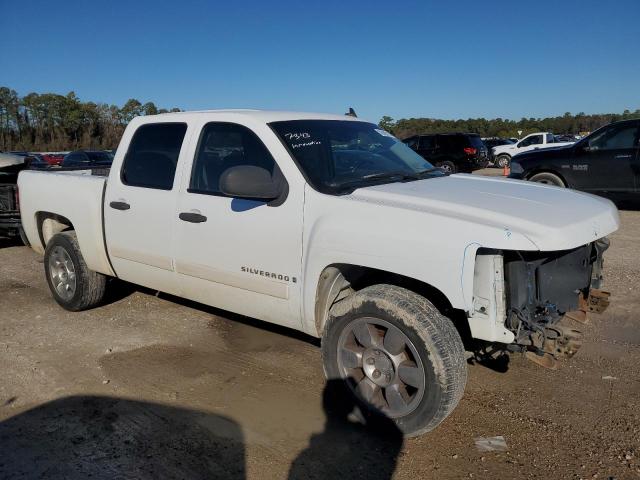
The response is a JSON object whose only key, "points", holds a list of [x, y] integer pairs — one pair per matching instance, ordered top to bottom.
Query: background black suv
{"points": [[452, 152], [606, 163]]}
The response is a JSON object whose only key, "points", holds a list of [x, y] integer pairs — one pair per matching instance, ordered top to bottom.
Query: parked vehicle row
{"points": [[533, 141], [492, 142], [465, 152], [87, 158], [94, 162], [607, 163], [329, 225]]}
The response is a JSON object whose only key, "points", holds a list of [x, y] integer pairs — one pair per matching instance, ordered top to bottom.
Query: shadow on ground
{"points": [[6, 242], [104, 437], [347, 447]]}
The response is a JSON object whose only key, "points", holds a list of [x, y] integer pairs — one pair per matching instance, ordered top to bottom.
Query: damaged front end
{"points": [[548, 294]]}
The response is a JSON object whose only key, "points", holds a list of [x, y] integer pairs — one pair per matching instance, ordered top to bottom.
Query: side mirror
{"points": [[249, 181]]}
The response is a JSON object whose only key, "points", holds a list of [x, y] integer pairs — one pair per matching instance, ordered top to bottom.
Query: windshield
{"points": [[476, 142], [338, 156]]}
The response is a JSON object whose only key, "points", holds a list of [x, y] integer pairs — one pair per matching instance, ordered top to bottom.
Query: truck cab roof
{"points": [[265, 116]]}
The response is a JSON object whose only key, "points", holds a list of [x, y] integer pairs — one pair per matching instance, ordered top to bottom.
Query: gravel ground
{"points": [[151, 386]]}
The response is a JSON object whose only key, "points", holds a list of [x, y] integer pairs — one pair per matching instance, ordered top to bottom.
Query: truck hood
{"points": [[513, 147], [545, 153], [551, 218]]}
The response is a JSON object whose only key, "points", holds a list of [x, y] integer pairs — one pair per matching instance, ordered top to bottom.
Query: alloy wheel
{"points": [[62, 273], [381, 365]]}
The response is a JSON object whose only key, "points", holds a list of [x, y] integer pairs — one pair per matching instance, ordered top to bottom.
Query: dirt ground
{"points": [[150, 386]]}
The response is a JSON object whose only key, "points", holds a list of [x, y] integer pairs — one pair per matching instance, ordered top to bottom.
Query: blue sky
{"points": [[455, 59]]}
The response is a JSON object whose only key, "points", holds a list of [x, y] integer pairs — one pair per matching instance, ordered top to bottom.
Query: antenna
{"points": [[351, 113]]}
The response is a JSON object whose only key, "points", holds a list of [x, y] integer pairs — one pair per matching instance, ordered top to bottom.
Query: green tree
{"points": [[149, 108], [130, 110], [387, 123]]}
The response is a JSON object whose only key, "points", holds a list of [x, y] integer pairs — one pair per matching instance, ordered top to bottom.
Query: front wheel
{"points": [[503, 161], [548, 178], [72, 284], [398, 355]]}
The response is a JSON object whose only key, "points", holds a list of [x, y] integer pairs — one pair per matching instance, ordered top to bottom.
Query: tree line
{"points": [[50, 122], [500, 127]]}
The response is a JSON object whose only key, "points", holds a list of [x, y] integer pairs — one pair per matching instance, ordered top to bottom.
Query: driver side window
{"points": [[615, 138], [532, 140], [222, 146]]}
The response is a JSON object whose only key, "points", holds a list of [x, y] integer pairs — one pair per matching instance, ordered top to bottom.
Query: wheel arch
{"points": [[547, 170], [49, 224], [340, 280]]}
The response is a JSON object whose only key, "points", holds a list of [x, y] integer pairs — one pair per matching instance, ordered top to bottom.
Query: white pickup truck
{"points": [[502, 154], [329, 225]]}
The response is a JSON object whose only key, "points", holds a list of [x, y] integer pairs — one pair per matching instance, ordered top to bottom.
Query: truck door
{"points": [[530, 143], [608, 160], [140, 203], [238, 254]]}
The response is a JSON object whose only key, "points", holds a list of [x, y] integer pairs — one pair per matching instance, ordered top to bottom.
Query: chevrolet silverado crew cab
{"points": [[534, 141], [329, 225]]}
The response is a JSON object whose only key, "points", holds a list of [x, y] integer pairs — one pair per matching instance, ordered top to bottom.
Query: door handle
{"points": [[623, 156], [120, 205], [192, 217]]}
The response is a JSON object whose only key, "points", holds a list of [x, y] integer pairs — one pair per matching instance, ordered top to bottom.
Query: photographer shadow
{"points": [[347, 448]]}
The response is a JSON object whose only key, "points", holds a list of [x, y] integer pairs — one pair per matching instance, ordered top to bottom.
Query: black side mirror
{"points": [[248, 181]]}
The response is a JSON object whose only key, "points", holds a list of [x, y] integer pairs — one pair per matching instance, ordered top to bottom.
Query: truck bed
{"points": [[74, 196]]}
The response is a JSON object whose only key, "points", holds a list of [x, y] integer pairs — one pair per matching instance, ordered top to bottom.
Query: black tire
{"points": [[503, 161], [448, 166], [547, 178], [23, 237], [89, 285], [436, 341]]}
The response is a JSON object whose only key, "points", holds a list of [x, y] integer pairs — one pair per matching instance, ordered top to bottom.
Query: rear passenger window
{"points": [[426, 142], [449, 143], [222, 146], [153, 155]]}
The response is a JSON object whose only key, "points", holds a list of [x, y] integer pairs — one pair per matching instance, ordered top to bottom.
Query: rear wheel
{"points": [[503, 160], [447, 166], [548, 178], [72, 284], [397, 354]]}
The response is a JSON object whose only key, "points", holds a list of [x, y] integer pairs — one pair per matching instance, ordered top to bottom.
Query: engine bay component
{"points": [[545, 290]]}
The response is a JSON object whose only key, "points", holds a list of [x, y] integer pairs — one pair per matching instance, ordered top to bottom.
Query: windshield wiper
{"points": [[422, 173], [386, 175], [396, 176], [350, 185]]}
